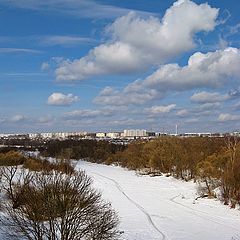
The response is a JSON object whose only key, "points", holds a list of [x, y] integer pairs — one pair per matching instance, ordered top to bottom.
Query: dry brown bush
{"points": [[11, 158], [57, 206]]}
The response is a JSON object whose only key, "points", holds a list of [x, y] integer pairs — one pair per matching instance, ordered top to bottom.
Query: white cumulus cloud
{"points": [[136, 42], [45, 66], [211, 70], [132, 94], [209, 97], [60, 99], [160, 109], [182, 112], [225, 117], [17, 118]]}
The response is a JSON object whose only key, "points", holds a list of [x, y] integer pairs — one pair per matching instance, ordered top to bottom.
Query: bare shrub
{"points": [[11, 158], [36, 164], [58, 206]]}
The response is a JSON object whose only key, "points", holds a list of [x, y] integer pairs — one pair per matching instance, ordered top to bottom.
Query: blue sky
{"points": [[112, 65]]}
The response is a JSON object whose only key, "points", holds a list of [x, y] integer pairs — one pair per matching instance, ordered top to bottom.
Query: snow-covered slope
{"points": [[152, 208]]}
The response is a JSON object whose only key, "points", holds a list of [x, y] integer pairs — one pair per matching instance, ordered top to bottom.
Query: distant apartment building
{"points": [[135, 133], [236, 133], [197, 134], [4, 135], [34, 135], [46, 135], [57, 135], [61, 135], [100, 135], [113, 135], [13, 136]]}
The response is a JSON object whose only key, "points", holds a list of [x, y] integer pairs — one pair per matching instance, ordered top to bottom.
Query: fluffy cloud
{"points": [[169, 36], [136, 42], [117, 58], [45, 66], [211, 70], [234, 93], [130, 95], [209, 97], [60, 99], [208, 107], [160, 109], [198, 111], [182, 113], [225, 117], [17, 118], [13, 119], [44, 120]]}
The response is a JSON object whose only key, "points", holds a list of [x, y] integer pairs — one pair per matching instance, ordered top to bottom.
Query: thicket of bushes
{"points": [[24, 143], [97, 151], [11, 158], [14, 158], [34, 164]]}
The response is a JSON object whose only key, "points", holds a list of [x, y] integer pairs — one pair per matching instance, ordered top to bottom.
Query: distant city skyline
{"points": [[102, 65], [115, 134]]}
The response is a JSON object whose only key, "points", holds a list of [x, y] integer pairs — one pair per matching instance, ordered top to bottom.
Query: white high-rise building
{"points": [[135, 133], [33, 135], [47, 135]]}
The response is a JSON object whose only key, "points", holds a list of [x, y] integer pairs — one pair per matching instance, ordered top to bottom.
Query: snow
{"points": [[162, 208]]}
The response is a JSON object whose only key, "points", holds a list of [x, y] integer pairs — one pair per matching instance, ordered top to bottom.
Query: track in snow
{"points": [[136, 204], [202, 213]]}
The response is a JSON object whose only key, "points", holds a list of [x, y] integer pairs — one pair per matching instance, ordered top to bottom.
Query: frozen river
{"points": [[152, 208]]}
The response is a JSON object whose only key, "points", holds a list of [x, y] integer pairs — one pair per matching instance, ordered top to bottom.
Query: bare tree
{"points": [[232, 144], [7, 179], [12, 180], [57, 206]]}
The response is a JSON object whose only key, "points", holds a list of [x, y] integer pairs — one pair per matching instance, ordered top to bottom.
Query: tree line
{"points": [[92, 150]]}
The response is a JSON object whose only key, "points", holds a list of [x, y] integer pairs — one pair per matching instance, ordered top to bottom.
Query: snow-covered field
{"points": [[152, 208]]}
